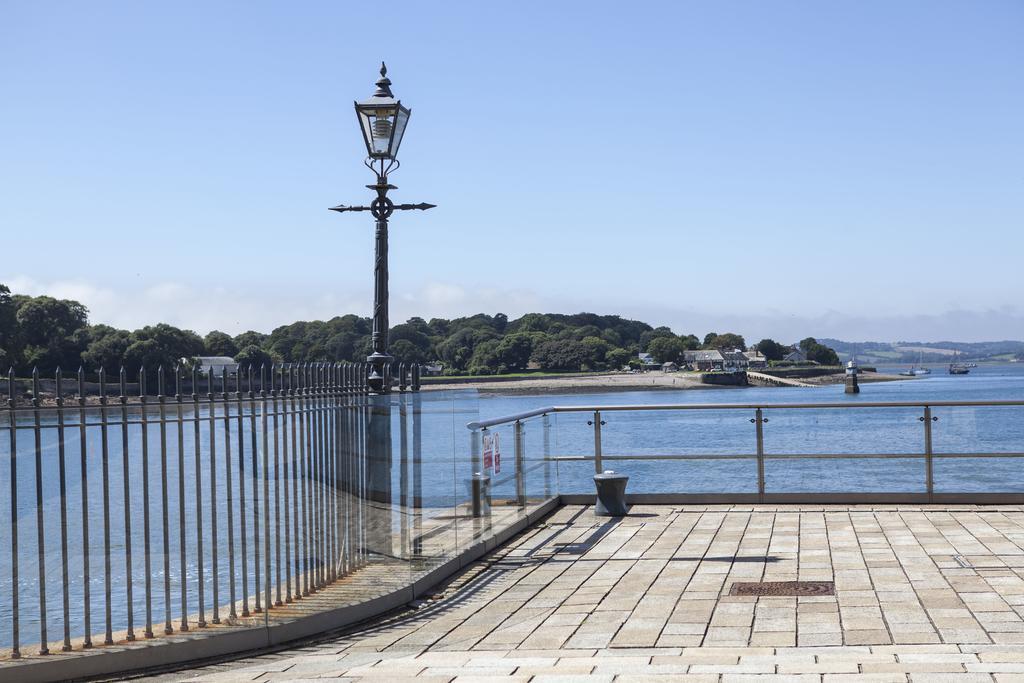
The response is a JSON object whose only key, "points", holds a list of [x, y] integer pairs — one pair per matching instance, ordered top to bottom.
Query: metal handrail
{"points": [[516, 417], [760, 454], [784, 456]]}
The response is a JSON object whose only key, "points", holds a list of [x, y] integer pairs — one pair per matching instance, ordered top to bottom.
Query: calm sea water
{"points": [[808, 431], [439, 474]]}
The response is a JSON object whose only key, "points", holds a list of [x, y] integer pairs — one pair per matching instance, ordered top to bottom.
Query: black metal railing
{"points": [[239, 490]]}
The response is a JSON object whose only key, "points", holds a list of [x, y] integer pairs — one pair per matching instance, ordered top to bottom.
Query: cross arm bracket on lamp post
{"points": [[422, 206], [381, 208]]}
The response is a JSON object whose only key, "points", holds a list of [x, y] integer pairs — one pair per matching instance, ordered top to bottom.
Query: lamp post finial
{"points": [[384, 83]]}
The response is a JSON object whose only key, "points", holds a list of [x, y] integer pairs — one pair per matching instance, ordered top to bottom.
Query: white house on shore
{"points": [[795, 355], [705, 360], [756, 360], [734, 361], [647, 362], [216, 363]]}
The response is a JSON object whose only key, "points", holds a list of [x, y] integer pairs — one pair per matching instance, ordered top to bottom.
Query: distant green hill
{"points": [[928, 352]]}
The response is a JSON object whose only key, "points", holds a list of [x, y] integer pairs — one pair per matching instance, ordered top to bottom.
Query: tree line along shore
{"points": [[46, 333]]}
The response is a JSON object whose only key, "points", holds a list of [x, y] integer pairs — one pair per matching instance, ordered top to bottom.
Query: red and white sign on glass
{"points": [[488, 440]]}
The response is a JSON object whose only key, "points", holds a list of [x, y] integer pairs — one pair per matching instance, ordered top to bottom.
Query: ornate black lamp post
{"points": [[382, 119]]}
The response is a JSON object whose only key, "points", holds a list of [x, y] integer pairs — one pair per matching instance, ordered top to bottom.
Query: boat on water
{"points": [[958, 368], [916, 370]]}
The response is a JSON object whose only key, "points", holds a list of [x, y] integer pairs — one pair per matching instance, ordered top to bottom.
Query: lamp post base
{"points": [[378, 380]]}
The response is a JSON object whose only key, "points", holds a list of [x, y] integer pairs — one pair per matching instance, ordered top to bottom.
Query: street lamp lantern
{"points": [[382, 119]]}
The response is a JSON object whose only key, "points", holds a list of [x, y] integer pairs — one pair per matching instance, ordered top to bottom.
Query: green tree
{"points": [[43, 319], [531, 322], [8, 327], [439, 327], [46, 330], [412, 334], [650, 335], [612, 337], [250, 338], [340, 338], [727, 340], [218, 343], [161, 345], [105, 348], [515, 349], [597, 349], [667, 349], [771, 349], [457, 350], [405, 351], [819, 353], [561, 354], [822, 355], [827, 356], [255, 357], [485, 358], [617, 358]]}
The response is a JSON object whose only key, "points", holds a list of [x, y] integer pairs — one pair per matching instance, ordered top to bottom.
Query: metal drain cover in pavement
{"points": [[784, 588]]}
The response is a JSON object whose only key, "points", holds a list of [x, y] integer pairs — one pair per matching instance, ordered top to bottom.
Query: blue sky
{"points": [[774, 168]]}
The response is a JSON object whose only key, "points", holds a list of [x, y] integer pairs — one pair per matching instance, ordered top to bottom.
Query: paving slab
{"points": [[646, 598]]}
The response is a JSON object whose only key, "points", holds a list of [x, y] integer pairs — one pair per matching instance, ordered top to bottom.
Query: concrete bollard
{"points": [[481, 489], [611, 494]]}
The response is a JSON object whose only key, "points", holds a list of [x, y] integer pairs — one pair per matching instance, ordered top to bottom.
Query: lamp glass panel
{"points": [[401, 120], [382, 121], [366, 123], [377, 124]]}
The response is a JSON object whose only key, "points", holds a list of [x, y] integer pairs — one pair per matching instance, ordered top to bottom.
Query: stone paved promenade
{"points": [[922, 594]]}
